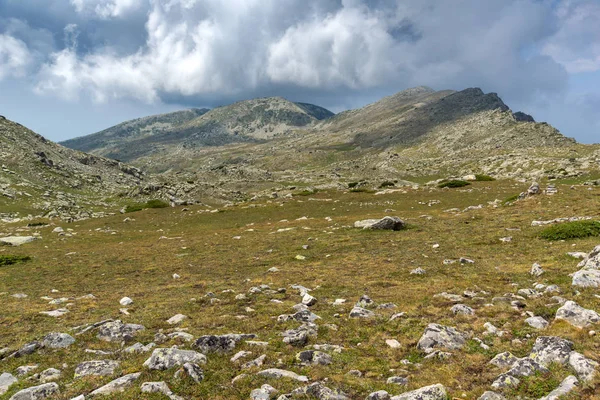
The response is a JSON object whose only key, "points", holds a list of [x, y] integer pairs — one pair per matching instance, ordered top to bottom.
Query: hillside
{"points": [[246, 121]]}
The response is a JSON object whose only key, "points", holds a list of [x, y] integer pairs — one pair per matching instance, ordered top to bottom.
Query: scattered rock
{"points": [[386, 223], [536, 270], [125, 301], [462, 309], [359, 312], [576, 315], [176, 319], [537, 322], [116, 331], [441, 336], [57, 340], [221, 343], [313, 357], [163, 359], [96, 368], [585, 368], [191, 370], [277, 373], [6, 381], [118, 385], [565, 387], [37, 392], [433, 392]]}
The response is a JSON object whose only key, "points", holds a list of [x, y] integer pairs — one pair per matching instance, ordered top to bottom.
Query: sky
{"points": [[73, 67]]}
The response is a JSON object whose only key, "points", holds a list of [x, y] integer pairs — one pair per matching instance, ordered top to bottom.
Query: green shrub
{"points": [[484, 178], [455, 183], [386, 184], [352, 185], [361, 190], [511, 199], [157, 204], [134, 207], [34, 224], [571, 230], [9, 260]]}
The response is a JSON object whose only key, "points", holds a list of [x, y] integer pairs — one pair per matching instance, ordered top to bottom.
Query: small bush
{"points": [[484, 178], [455, 183], [386, 184], [352, 185], [361, 190], [157, 204], [133, 208], [34, 224], [571, 230], [9, 260]]}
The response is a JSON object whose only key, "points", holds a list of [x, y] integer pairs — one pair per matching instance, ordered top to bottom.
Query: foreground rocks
{"points": [[386, 223]]}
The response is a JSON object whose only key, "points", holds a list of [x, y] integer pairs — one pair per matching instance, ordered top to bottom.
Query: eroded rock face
{"points": [[385, 223], [577, 316], [117, 331], [440, 336], [220, 343], [163, 359], [37, 392], [433, 392]]}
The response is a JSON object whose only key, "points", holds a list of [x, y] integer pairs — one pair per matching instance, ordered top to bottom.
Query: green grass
{"points": [[484, 178], [455, 183], [361, 190], [511, 199], [149, 204], [571, 230], [10, 260]]}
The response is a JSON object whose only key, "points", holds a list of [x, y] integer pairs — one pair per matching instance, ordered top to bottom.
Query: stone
{"points": [[386, 223], [17, 240], [536, 270], [418, 271], [586, 278], [454, 298], [309, 300], [125, 301], [365, 302], [462, 309], [359, 312], [55, 313], [576, 315], [176, 319], [537, 322], [117, 331], [300, 335], [436, 335], [186, 337], [57, 340], [221, 343], [393, 343], [139, 348], [27, 349], [551, 349], [239, 355], [313, 357], [164, 358], [504, 360], [255, 363], [526, 367], [96, 368], [585, 368], [25, 369], [191, 370], [276, 373], [48, 375], [397, 380], [6, 381], [505, 381], [118, 385], [159, 387], [565, 387], [318, 391], [37, 392], [432, 392], [264, 393], [379, 395], [491, 396]]}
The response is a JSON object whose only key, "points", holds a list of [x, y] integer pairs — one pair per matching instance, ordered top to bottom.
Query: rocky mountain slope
{"points": [[246, 121]]}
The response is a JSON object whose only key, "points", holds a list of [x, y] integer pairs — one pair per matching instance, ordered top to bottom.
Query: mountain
{"points": [[245, 121]]}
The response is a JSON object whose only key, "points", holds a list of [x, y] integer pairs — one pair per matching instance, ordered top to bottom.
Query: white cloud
{"points": [[106, 8], [576, 45], [15, 57]]}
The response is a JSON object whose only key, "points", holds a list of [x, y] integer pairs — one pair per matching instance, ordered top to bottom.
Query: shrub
{"points": [[484, 178], [455, 183], [386, 184], [352, 185], [361, 190], [157, 204], [133, 208], [34, 224], [571, 230], [9, 260]]}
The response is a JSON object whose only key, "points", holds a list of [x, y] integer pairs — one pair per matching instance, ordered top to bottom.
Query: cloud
{"points": [[105, 9], [576, 45], [226, 48], [15, 57]]}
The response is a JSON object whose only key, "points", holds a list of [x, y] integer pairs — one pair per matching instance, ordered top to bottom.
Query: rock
{"points": [[534, 189], [386, 223], [17, 240], [536, 270], [418, 271], [586, 278], [454, 298], [309, 300], [125, 301], [365, 302], [462, 309], [359, 312], [55, 313], [397, 316], [577, 316], [176, 319], [537, 322], [116, 331], [300, 335], [441, 336], [186, 337], [57, 340], [221, 343], [393, 343], [139, 348], [27, 349], [551, 349], [239, 355], [313, 357], [163, 358], [504, 360], [255, 363], [526, 367], [96, 368], [585, 368], [25, 369], [191, 370], [277, 373], [47, 375], [397, 380], [6, 381], [505, 381], [118, 385], [159, 387], [565, 387], [318, 391], [37, 392], [433, 392], [264, 393], [379, 395], [491, 396]]}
